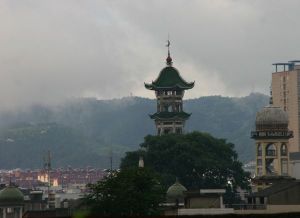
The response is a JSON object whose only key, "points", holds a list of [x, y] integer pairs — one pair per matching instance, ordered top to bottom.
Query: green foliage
{"points": [[89, 129], [197, 159], [132, 191]]}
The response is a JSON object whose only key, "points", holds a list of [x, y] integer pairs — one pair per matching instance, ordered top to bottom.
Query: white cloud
{"points": [[52, 50]]}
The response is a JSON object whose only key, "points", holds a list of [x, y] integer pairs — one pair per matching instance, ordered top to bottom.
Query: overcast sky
{"points": [[56, 49]]}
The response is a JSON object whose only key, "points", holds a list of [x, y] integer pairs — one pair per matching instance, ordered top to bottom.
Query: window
{"points": [[178, 130], [271, 150], [283, 150]]}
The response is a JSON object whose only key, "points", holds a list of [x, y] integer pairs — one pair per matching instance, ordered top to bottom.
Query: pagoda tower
{"points": [[169, 89]]}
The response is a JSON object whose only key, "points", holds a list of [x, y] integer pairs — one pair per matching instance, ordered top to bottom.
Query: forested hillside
{"points": [[86, 132]]}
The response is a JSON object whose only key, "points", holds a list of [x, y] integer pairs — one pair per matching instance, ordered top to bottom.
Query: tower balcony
{"points": [[271, 153]]}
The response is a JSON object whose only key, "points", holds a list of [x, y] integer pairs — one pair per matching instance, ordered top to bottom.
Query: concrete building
{"points": [[169, 88], [286, 94], [282, 197], [180, 201]]}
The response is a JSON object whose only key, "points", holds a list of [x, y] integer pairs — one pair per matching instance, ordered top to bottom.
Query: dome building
{"points": [[272, 144], [176, 193], [11, 202]]}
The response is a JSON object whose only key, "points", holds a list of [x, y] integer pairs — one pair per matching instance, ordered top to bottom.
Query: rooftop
{"points": [[169, 79]]}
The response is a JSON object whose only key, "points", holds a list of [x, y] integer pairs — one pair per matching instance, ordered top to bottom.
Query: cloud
{"points": [[52, 50]]}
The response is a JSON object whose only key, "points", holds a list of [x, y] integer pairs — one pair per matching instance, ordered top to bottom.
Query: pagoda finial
{"points": [[169, 59]]}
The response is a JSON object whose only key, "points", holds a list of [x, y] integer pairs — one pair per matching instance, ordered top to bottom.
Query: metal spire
{"points": [[169, 59]]}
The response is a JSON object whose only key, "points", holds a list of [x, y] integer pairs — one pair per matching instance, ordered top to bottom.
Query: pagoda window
{"points": [[178, 92], [166, 108], [169, 108], [176, 108], [167, 130], [178, 130]]}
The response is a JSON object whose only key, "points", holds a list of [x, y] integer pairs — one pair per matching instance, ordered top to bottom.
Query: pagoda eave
{"points": [[175, 87], [170, 116]]}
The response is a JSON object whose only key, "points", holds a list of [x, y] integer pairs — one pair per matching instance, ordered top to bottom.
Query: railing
{"points": [[271, 153], [246, 206]]}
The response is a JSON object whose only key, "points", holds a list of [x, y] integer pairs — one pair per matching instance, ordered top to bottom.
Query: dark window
{"points": [[271, 150], [283, 150]]}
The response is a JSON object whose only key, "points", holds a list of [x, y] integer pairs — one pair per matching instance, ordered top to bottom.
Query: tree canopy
{"points": [[197, 159], [132, 191]]}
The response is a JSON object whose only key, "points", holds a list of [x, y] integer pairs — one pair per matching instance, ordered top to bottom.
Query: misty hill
{"points": [[87, 131]]}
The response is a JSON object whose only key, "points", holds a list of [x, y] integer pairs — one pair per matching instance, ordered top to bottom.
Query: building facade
{"points": [[169, 88], [286, 94], [272, 141], [272, 146]]}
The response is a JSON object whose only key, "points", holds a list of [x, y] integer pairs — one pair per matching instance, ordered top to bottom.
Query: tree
{"points": [[197, 159], [132, 191]]}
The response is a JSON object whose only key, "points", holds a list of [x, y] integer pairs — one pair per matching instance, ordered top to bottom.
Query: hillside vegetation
{"points": [[86, 132]]}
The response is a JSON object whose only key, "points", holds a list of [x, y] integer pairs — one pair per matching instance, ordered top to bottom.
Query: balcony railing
{"points": [[271, 153], [246, 206]]}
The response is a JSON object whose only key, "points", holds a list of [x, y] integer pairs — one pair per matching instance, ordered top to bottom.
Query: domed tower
{"points": [[169, 88], [272, 143], [176, 193], [11, 202]]}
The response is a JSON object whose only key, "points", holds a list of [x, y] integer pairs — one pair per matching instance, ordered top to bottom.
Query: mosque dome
{"points": [[271, 118], [176, 192], [11, 195]]}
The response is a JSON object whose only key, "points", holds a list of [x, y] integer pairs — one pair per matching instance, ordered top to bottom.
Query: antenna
{"points": [[169, 59]]}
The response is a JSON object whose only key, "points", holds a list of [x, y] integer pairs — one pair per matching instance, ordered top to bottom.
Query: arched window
{"points": [[259, 150], [271, 150], [283, 150]]}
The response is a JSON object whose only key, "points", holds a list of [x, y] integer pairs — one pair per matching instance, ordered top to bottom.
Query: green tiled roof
{"points": [[169, 78], [170, 115], [11, 195]]}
